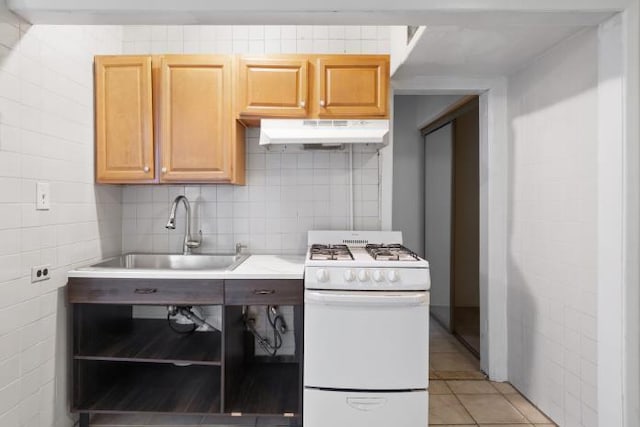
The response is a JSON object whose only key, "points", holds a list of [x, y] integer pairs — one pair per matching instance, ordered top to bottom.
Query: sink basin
{"points": [[226, 262]]}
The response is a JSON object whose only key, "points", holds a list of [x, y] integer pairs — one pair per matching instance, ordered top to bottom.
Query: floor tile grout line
{"points": [[465, 409]]}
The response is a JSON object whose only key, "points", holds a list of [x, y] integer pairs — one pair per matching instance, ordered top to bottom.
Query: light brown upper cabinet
{"points": [[353, 85], [273, 86], [312, 86], [182, 118], [195, 118], [124, 119], [167, 119]]}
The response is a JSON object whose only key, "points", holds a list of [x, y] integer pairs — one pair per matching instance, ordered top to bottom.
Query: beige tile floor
{"points": [[460, 395]]}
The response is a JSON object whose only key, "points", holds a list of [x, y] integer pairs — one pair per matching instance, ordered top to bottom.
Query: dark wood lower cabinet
{"points": [[124, 364]]}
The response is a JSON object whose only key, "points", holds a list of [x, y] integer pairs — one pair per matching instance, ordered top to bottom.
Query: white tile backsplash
{"points": [[255, 39], [287, 193]]}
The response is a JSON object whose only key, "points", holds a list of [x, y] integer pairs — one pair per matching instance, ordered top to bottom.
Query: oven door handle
{"points": [[368, 299], [366, 403]]}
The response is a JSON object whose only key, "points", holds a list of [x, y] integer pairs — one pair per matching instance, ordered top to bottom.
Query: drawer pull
{"points": [[145, 291], [264, 291]]}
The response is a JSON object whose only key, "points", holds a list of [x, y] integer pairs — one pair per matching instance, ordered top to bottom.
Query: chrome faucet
{"points": [[171, 225], [239, 248]]}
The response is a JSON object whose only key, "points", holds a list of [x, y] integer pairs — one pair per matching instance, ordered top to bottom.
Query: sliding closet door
{"points": [[438, 214], [466, 229]]}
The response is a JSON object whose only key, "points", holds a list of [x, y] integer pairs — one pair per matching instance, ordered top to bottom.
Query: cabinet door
{"points": [[353, 86], [275, 87], [195, 114], [124, 119]]}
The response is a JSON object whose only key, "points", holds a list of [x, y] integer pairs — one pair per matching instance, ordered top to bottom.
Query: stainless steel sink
{"points": [[226, 262]]}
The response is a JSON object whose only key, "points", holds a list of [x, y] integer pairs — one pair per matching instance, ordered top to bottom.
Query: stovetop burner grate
{"points": [[330, 252], [391, 252]]}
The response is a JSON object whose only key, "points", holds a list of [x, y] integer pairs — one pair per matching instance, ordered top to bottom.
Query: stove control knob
{"points": [[322, 275], [349, 276], [363, 276], [377, 276], [393, 276]]}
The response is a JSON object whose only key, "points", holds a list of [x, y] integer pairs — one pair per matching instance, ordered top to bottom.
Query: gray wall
{"points": [[429, 108], [410, 114], [408, 174]]}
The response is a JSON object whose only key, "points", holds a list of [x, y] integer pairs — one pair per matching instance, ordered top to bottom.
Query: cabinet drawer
{"points": [[146, 291], [276, 292]]}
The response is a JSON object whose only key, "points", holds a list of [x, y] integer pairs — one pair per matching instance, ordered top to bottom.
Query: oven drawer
{"points": [[267, 292], [366, 340], [349, 409]]}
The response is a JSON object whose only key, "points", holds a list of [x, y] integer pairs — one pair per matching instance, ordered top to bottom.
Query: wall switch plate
{"points": [[43, 196], [40, 273]]}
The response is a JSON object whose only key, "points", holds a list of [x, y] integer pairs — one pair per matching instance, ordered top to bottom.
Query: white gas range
{"points": [[366, 358]]}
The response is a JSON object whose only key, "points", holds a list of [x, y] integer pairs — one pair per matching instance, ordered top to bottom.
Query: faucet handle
{"points": [[195, 243], [239, 248]]}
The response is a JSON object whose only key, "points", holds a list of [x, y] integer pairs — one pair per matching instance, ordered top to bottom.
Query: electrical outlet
{"points": [[40, 273]]}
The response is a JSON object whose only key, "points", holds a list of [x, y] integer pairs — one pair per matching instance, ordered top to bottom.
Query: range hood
{"points": [[323, 133]]}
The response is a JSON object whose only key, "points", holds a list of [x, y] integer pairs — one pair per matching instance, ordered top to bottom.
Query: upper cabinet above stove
{"points": [[273, 86], [312, 86], [353, 86]]}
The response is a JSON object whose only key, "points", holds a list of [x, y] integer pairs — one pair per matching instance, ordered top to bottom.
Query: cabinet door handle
{"points": [[322, 103], [302, 104], [146, 169], [164, 170], [145, 291], [264, 291]]}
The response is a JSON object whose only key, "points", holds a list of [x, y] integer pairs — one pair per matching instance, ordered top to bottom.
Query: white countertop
{"points": [[255, 267], [270, 267]]}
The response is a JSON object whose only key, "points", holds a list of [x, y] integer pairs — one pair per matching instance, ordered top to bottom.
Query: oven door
{"points": [[359, 340]]}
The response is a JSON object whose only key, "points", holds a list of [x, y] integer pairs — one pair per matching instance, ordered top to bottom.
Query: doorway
{"points": [[452, 219]]}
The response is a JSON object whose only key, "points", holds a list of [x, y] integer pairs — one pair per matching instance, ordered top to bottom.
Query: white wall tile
{"points": [[288, 31], [208, 32], [240, 32], [256, 32], [272, 32], [304, 32], [320, 32], [336, 32], [352, 32], [159, 33], [175, 33], [190, 33], [272, 46], [288, 46], [256, 47], [46, 97], [304, 195], [553, 231]]}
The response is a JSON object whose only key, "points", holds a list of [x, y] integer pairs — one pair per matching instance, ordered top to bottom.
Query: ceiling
{"points": [[354, 12], [462, 37], [479, 51]]}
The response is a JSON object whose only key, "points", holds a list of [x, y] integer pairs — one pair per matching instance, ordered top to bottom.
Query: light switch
{"points": [[43, 196]]}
